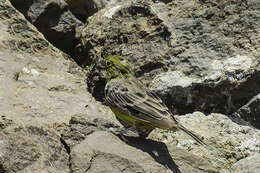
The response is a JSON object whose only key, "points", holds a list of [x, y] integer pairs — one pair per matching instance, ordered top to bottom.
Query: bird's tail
{"points": [[191, 134]]}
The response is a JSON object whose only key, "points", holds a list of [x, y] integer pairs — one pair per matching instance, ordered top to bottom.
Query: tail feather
{"points": [[191, 134]]}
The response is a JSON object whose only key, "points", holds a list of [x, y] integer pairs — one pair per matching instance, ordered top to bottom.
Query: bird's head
{"points": [[118, 67]]}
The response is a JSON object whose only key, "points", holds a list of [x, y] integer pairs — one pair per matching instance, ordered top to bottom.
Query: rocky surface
{"points": [[84, 9], [53, 19], [211, 48], [39, 84], [40, 89], [250, 112], [50, 123], [227, 141], [32, 149], [93, 149], [250, 164]]}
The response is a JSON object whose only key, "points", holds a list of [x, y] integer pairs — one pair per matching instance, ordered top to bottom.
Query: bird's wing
{"points": [[134, 98]]}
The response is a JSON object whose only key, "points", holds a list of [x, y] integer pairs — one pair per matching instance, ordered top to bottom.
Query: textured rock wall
{"points": [[203, 54], [196, 55]]}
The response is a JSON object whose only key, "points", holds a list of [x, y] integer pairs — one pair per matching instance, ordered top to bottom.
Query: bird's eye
{"points": [[108, 63]]}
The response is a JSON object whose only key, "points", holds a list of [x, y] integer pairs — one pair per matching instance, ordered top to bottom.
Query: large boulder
{"points": [[86, 8], [53, 19], [197, 55], [38, 83], [40, 89], [250, 112], [227, 142], [32, 149], [94, 150], [250, 164]]}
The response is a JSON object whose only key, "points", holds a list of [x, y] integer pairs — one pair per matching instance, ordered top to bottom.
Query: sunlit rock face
{"points": [[196, 55]]}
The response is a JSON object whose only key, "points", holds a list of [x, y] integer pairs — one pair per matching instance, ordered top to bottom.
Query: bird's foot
{"points": [[125, 132], [143, 133]]}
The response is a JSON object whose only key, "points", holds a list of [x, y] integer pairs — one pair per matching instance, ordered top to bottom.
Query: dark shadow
{"points": [[239, 120], [150, 146]]}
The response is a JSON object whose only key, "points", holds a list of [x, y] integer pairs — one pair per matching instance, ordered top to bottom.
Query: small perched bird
{"points": [[133, 103]]}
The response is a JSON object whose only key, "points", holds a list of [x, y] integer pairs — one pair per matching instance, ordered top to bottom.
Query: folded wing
{"points": [[134, 98]]}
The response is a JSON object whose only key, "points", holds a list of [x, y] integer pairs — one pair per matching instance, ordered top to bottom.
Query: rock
{"points": [[83, 9], [53, 19], [201, 44], [38, 84], [40, 89], [250, 112], [4, 122], [50, 123], [80, 126], [227, 142], [32, 149], [100, 151], [250, 164]]}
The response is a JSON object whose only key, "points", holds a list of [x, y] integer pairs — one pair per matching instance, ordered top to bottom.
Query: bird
{"points": [[133, 103]]}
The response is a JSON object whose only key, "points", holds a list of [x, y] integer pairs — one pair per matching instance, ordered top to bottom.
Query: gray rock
{"points": [[86, 8], [53, 19], [206, 43], [38, 83], [39, 87], [43, 93], [250, 112], [4, 122], [79, 127], [227, 142], [93, 148], [32, 149], [92, 156], [248, 165]]}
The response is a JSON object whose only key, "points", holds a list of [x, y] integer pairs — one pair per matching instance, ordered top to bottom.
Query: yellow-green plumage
{"points": [[133, 103], [131, 120]]}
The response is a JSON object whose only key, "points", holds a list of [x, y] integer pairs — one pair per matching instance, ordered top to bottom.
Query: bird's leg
{"points": [[124, 132], [136, 132], [144, 133]]}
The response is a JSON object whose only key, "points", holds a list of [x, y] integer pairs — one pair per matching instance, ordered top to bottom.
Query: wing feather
{"points": [[134, 98]]}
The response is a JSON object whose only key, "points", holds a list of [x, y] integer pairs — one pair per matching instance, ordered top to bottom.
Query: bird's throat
{"points": [[116, 74]]}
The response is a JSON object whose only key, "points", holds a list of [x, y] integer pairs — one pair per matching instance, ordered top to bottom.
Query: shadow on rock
{"points": [[158, 150]]}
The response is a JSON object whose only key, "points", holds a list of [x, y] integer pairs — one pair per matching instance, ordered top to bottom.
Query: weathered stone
{"points": [[85, 8], [53, 19], [211, 49], [38, 83], [41, 89], [250, 112], [4, 122], [80, 126], [227, 142], [32, 149], [94, 150], [104, 152], [250, 164]]}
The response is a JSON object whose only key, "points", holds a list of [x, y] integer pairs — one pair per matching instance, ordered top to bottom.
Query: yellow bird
{"points": [[135, 104]]}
